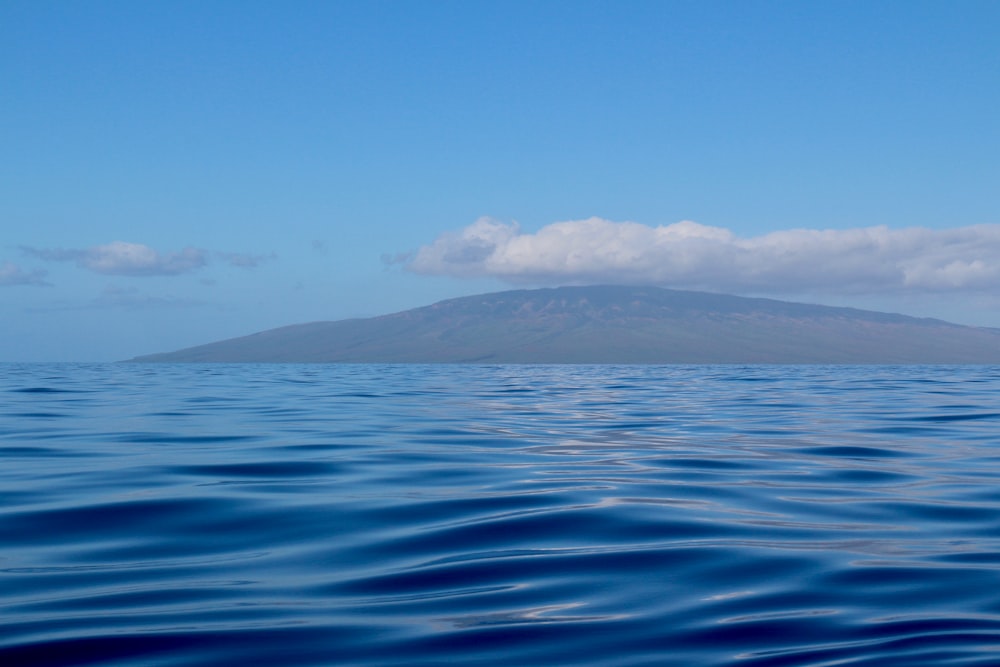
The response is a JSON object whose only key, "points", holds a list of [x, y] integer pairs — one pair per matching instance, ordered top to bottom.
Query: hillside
{"points": [[611, 324]]}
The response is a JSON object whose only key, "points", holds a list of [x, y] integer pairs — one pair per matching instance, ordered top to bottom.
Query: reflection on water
{"points": [[421, 515]]}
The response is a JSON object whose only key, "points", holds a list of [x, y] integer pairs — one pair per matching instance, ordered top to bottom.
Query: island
{"points": [[611, 324]]}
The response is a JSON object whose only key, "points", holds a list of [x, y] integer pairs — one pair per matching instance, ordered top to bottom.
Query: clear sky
{"points": [[178, 172]]}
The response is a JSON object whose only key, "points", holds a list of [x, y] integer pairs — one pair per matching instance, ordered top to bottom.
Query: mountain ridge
{"points": [[610, 324]]}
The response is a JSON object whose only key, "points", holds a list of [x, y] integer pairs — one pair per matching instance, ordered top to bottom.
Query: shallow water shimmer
{"points": [[509, 515]]}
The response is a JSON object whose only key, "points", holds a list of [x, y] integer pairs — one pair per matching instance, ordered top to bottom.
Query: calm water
{"points": [[510, 515]]}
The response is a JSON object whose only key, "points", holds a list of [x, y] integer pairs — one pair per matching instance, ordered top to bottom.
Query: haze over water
{"points": [[534, 515]]}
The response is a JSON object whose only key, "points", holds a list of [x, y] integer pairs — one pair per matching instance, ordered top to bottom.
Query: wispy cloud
{"points": [[695, 256], [121, 258], [126, 259], [245, 261], [12, 274], [114, 297], [130, 298]]}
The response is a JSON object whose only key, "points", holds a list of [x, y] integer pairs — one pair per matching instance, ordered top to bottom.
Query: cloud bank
{"points": [[694, 256], [12, 274]]}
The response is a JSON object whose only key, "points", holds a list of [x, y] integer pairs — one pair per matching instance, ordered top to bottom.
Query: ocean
{"points": [[499, 515]]}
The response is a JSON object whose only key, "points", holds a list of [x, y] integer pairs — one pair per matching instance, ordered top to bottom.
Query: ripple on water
{"points": [[422, 515]]}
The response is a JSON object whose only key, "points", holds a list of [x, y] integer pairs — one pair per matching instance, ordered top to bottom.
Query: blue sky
{"points": [[175, 173]]}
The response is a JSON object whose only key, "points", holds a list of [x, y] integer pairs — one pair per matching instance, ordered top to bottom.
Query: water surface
{"points": [[511, 515]]}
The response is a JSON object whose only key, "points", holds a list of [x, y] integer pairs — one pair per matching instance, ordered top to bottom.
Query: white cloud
{"points": [[695, 256], [126, 259], [135, 259], [12, 274]]}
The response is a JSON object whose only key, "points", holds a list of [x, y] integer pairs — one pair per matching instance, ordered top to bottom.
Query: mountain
{"points": [[611, 324]]}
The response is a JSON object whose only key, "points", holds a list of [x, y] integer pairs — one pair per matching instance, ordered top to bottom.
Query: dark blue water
{"points": [[510, 515]]}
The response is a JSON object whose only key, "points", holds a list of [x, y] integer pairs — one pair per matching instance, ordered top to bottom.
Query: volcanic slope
{"points": [[611, 324]]}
